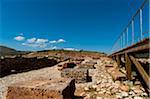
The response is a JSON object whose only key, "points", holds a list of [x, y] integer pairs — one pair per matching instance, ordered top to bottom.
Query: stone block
{"points": [[69, 65], [87, 66], [79, 74], [117, 75], [60, 88]]}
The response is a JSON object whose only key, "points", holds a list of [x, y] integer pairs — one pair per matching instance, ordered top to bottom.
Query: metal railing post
{"points": [[141, 30], [132, 31], [127, 36], [123, 40], [120, 42]]}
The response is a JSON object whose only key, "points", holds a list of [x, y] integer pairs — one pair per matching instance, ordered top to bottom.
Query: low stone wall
{"points": [[20, 64], [66, 65], [69, 65], [88, 65], [80, 75], [61, 88]]}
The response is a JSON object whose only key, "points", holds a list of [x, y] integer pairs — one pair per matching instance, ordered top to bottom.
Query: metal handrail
{"points": [[123, 38]]}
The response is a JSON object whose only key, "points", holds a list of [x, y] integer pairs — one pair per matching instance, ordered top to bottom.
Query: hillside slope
{"points": [[4, 51]]}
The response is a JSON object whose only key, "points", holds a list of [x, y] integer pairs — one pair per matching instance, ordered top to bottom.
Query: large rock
{"points": [[61, 88]]}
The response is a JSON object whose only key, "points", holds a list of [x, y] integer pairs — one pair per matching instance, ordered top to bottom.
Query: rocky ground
{"points": [[103, 86]]}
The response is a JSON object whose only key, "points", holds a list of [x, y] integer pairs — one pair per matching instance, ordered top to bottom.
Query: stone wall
{"points": [[20, 64], [66, 65], [87, 65], [80, 75], [60, 88]]}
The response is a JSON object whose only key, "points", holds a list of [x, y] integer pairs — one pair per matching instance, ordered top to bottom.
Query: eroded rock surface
{"points": [[42, 89]]}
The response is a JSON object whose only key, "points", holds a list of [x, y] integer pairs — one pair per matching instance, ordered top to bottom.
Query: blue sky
{"points": [[70, 24]]}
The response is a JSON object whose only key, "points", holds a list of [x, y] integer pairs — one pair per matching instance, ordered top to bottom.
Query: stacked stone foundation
{"points": [[88, 65], [79, 74]]}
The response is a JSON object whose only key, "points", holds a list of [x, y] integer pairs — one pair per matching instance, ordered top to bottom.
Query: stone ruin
{"points": [[77, 60], [21, 64], [66, 65], [69, 65], [88, 65], [80, 75], [59, 88]]}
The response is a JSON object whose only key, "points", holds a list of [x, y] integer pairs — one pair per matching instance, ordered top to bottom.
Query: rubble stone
{"points": [[124, 88], [124, 94], [138, 98]]}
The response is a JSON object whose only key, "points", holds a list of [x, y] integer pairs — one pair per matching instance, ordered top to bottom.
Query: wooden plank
{"points": [[137, 47], [134, 49], [118, 60], [128, 66], [141, 70]]}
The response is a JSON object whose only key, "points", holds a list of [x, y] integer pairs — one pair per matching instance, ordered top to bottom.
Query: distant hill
{"points": [[4, 51], [76, 51], [66, 53]]}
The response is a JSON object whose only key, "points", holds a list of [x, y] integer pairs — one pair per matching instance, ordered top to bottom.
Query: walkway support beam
{"points": [[118, 58], [128, 66], [141, 70]]}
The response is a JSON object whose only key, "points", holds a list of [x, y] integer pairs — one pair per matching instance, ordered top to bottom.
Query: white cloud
{"points": [[19, 38], [31, 40], [41, 40], [61, 40], [57, 41], [36, 42], [52, 42], [42, 43], [35, 45], [54, 47], [71, 49]]}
